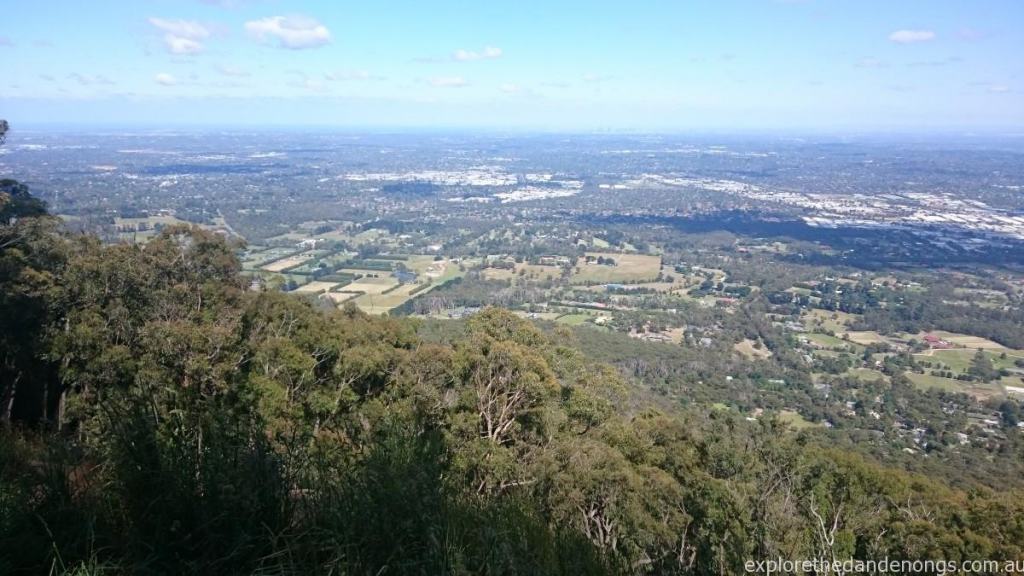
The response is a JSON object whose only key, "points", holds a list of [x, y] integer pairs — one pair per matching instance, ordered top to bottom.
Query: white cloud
{"points": [[182, 28], [293, 32], [182, 36], [911, 36], [178, 45], [488, 53], [595, 78], [165, 79], [448, 82], [510, 88], [998, 88]]}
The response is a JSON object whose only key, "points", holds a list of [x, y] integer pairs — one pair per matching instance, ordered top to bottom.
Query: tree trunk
{"points": [[61, 400], [7, 402]]}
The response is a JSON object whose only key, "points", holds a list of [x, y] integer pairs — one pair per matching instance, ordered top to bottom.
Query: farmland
{"points": [[287, 262], [626, 268], [315, 287]]}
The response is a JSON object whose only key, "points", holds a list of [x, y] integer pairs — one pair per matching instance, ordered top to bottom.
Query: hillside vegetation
{"points": [[160, 418]]}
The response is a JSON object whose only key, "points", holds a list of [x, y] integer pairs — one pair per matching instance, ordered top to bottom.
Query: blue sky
{"points": [[669, 65]]}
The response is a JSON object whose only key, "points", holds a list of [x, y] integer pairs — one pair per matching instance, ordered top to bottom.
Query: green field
{"points": [[524, 271], [573, 319], [826, 320], [864, 338], [832, 342], [959, 359], [866, 374], [980, 391], [796, 421]]}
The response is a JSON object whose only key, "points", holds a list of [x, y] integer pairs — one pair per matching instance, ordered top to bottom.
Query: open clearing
{"points": [[256, 258], [289, 262], [426, 265], [627, 268], [523, 271], [538, 271], [498, 274], [679, 284], [369, 285], [315, 287], [383, 294], [341, 297], [378, 303], [538, 315], [573, 319], [818, 319], [864, 338], [965, 340], [831, 342], [748, 349], [960, 359], [866, 374], [927, 381], [979, 391], [795, 420]]}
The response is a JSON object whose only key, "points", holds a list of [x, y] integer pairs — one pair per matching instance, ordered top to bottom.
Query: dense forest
{"points": [[159, 417]]}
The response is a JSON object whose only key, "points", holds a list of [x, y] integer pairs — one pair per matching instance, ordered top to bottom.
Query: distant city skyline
{"points": [[642, 66]]}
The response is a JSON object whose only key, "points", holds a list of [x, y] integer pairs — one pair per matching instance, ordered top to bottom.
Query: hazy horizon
{"points": [[755, 65]]}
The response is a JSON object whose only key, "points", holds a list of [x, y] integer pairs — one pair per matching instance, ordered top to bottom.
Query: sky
{"points": [[639, 65]]}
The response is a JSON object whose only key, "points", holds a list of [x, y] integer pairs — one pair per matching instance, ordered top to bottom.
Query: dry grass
{"points": [[289, 262], [628, 268], [527, 271], [371, 285], [315, 287], [341, 297], [381, 303], [831, 321], [865, 338], [965, 340], [747, 349], [981, 392]]}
